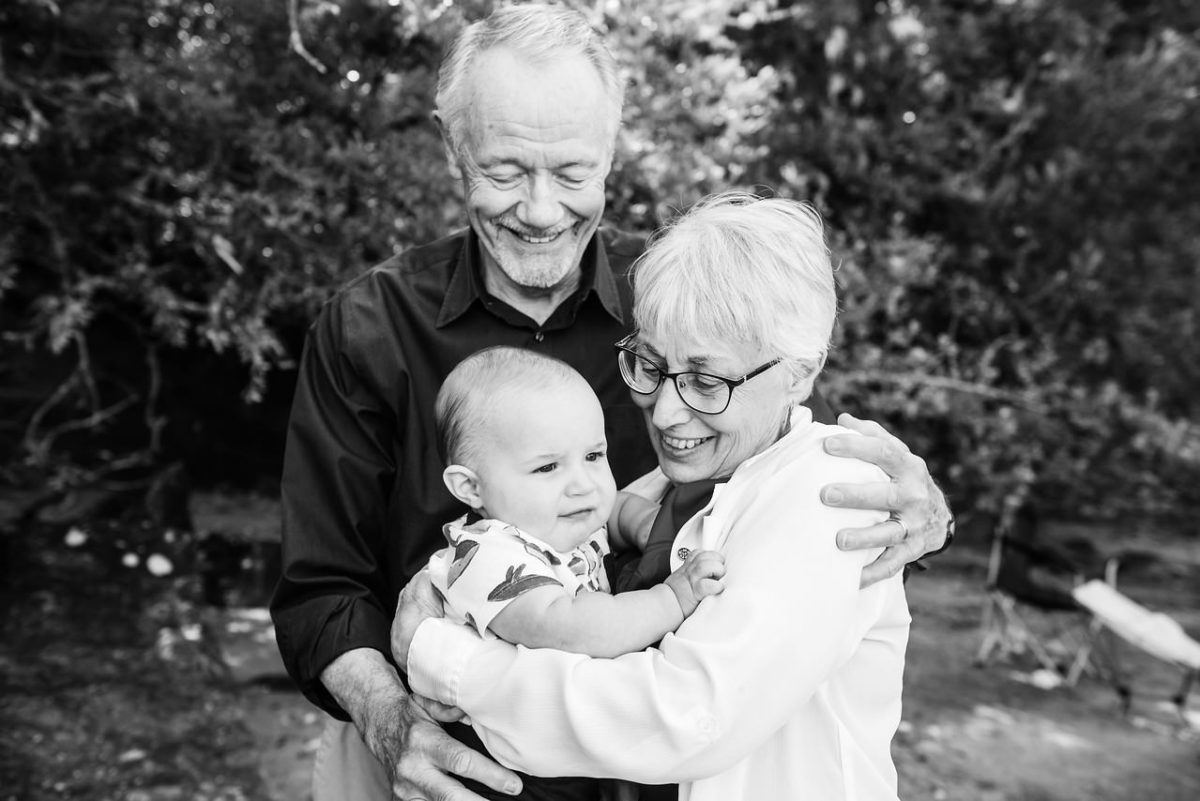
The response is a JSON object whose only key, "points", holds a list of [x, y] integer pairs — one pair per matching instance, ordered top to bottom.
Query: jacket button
{"points": [[683, 553]]}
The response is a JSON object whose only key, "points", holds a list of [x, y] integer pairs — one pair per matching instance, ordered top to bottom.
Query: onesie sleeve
{"points": [[481, 572]]}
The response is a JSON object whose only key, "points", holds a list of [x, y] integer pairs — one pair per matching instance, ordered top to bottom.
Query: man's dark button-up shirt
{"points": [[363, 498]]}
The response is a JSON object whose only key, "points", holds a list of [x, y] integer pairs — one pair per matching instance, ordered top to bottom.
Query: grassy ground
{"points": [[117, 684]]}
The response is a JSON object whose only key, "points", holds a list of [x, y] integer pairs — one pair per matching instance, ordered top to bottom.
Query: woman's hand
{"points": [[911, 496]]}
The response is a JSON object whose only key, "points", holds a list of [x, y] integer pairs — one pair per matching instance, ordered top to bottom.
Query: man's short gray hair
{"points": [[538, 33], [741, 268], [471, 393]]}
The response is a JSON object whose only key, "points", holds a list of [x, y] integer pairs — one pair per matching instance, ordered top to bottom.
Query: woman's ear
{"points": [[803, 374], [463, 484]]}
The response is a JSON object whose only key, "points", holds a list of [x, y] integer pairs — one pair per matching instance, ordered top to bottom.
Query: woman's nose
{"points": [[669, 408]]}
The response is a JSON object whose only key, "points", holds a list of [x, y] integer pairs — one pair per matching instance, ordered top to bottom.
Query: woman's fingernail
{"points": [[833, 496]]}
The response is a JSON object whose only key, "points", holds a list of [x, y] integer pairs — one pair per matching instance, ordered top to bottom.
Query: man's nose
{"points": [[541, 209]]}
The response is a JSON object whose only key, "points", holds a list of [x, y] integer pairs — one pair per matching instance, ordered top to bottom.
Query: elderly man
{"points": [[528, 103]]}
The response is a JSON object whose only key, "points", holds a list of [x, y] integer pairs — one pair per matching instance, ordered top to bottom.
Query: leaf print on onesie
{"points": [[464, 552], [541, 553], [515, 584]]}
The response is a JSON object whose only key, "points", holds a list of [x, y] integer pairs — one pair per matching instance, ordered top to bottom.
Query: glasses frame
{"points": [[733, 383]]}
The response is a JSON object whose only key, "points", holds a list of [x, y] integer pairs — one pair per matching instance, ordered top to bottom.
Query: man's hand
{"points": [[911, 495], [418, 602], [420, 756]]}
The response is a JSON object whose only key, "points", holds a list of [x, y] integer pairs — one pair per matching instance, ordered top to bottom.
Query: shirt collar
{"points": [[466, 280]]}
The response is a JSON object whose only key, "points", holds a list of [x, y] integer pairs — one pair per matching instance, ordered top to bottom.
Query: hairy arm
{"points": [[417, 754]]}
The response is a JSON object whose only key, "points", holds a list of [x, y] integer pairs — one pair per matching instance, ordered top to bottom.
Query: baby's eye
{"points": [[596, 456], [547, 468]]}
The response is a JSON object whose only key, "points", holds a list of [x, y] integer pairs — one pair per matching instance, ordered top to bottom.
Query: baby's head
{"points": [[522, 435]]}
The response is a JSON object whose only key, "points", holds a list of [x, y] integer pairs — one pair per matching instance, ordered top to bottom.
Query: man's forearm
{"points": [[365, 684]]}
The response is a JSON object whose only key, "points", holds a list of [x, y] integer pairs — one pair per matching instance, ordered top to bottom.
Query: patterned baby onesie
{"points": [[489, 563]]}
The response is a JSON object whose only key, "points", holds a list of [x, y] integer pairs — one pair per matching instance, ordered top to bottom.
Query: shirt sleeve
{"points": [[337, 475], [483, 572], [733, 674]]}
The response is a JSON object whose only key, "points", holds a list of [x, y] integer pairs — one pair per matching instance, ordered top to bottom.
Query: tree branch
{"points": [[296, 42]]}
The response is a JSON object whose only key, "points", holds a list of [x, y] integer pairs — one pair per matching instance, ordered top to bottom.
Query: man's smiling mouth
{"points": [[538, 238]]}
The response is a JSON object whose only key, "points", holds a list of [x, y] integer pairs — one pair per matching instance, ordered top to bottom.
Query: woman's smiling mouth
{"points": [[680, 444]]}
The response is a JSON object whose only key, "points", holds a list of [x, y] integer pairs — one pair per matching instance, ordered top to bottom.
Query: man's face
{"points": [[538, 147], [544, 466]]}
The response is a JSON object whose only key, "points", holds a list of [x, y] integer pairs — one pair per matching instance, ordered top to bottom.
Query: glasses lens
{"points": [[642, 375], [704, 393]]}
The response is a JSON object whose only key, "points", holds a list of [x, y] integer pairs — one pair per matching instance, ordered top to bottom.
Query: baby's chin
{"points": [[570, 534]]}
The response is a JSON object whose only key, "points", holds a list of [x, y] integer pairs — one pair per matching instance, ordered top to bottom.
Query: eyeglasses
{"points": [[700, 392]]}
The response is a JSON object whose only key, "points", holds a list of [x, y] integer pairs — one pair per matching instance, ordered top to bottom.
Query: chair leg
{"points": [[993, 629], [1107, 650], [1082, 659], [1181, 698]]}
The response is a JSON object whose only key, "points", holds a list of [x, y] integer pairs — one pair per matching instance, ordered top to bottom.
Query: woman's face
{"points": [[693, 446]]}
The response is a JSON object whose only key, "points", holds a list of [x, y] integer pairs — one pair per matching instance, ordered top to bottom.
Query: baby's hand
{"points": [[698, 577]]}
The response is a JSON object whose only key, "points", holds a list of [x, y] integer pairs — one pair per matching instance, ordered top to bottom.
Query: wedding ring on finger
{"points": [[895, 517]]}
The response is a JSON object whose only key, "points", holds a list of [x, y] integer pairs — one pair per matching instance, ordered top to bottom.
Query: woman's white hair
{"points": [[540, 34], [741, 268]]}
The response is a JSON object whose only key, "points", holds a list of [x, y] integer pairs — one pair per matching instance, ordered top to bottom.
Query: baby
{"points": [[523, 435]]}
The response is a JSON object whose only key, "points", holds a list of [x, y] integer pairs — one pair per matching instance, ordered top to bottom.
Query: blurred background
{"points": [[1011, 192]]}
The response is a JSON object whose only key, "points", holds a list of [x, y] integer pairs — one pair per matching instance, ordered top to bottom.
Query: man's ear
{"points": [[448, 147], [463, 484]]}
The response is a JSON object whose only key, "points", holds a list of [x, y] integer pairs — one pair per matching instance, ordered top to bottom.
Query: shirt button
{"points": [[539, 336], [682, 553]]}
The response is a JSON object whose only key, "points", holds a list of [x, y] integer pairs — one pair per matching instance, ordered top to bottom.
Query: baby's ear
{"points": [[463, 484]]}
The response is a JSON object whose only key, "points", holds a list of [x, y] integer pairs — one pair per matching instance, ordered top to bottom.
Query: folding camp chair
{"points": [[1028, 576], [1030, 608], [1155, 633]]}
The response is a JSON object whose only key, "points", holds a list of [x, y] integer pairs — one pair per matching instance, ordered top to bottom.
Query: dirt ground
{"points": [[119, 684]]}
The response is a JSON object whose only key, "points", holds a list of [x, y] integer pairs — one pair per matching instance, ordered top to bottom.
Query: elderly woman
{"points": [[788, 684]]}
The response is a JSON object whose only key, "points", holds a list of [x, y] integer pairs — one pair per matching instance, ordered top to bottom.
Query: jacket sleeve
{"points": [[337, 475], [732, 675]]}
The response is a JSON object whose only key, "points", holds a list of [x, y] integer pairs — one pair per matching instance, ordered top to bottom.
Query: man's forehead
{"points": [[505, 84]]}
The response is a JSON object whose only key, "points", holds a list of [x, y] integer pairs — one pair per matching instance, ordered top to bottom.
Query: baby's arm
{"points": [[630, 521], [599, 624]]}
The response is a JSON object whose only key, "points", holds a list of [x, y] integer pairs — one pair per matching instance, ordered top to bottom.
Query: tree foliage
{"points": [[1009, 187]]}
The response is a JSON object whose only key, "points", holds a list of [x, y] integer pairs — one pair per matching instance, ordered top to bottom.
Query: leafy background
{"points": [[1010, 187]]}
